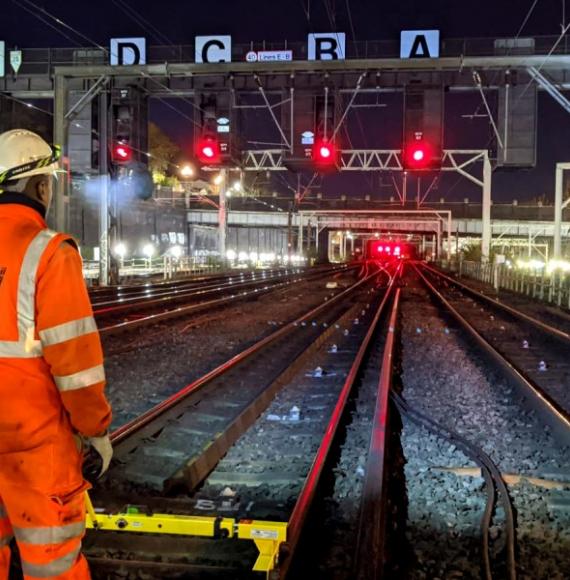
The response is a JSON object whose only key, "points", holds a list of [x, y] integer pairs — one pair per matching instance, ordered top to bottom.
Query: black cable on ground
{"points": [[493, 480]]}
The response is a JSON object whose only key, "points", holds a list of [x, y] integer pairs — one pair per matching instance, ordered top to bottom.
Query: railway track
{"points": [[121, 295], [135, 310], [555, 316], [533, 352], [292, 446], [241, 451], [486, 477]]}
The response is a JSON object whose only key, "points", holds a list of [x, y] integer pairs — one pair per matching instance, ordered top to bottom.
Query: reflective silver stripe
{"points": [[27, 284], [68, 331], [27, 346], [17, 350], [81, 379], [49, 535], [5, 540], [53, 568]]}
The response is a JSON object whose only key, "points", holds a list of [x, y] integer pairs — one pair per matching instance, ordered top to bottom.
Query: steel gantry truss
{"points": [[279, 84], [459, 161], [389, 220]]}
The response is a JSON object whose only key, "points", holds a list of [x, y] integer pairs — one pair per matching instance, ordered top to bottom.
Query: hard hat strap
{"points": [[38, 163]]}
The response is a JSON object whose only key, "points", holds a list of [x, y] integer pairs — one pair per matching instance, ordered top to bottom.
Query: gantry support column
{"points": [[60, 138], [104, 191], [559, 205], [222, 215], [486, 217], [449, 237]]}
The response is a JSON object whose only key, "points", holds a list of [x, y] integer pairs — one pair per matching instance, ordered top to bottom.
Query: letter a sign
{"points": [[419, 44]]}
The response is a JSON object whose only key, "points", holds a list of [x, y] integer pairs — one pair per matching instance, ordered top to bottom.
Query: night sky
{"points": [[177, 22]]}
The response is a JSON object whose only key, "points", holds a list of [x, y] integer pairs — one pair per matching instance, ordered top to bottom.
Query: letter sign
{"points": [[419, 44], [326, 46], [213, 49], [128, 51]]}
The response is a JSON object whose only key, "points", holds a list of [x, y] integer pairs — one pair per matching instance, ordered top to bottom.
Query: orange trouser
{"points": [[48, 527]]}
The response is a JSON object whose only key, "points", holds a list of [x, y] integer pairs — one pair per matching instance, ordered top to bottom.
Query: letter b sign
{"points": [[326, 46]]}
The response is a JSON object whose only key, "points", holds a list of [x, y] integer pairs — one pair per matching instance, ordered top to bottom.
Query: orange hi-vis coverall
{"points": [[51, 388]]}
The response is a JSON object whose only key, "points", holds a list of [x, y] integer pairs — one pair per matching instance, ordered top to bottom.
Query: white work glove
{"points": [[102, 445]]}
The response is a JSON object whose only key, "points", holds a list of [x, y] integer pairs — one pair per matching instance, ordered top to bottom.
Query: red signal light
{"points": [[208, 150], [122, 153], [324, 153], [418, 155]]}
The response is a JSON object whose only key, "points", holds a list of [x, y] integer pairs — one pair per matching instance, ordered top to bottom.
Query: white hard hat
{"points": [[24, 154]]}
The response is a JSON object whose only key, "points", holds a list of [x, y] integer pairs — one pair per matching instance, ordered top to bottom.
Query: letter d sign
{"points": [[127, 51]]}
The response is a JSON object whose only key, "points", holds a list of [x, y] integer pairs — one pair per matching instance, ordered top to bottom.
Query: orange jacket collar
{"points": [[21, 210]]}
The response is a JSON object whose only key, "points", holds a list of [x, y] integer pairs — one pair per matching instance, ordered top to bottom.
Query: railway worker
{"points": [[51, 372]]}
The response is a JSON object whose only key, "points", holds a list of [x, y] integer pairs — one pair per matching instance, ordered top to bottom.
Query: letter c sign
{"points": [[213, 49]]}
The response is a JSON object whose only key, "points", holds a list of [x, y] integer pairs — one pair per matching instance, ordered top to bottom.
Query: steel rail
{"points": [[96, 292], [148, 292], [136, 303], [128, 304], [193, 308], [553, 331], [282, 378], [550, 411], [128, 429], [307, 495], [370, 556]]}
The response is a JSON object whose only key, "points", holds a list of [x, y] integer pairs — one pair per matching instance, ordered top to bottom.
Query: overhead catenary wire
{"points": [[57, 20], [332, 20], [47, 22], [142, 22], [521, 27], [80, 34], [88, 39], [558, 40], [495, 76], [93, 131]]}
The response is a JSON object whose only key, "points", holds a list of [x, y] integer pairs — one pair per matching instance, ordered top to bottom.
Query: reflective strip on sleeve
{"points": [[27, 281], [68, 331], [26, 346], [81, 379], [50, 535], [53, 568]]}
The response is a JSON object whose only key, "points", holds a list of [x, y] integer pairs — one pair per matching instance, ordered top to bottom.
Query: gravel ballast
{"points": [[147, 366], [446, 378]]}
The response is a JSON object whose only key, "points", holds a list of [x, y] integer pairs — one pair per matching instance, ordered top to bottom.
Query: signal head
{"points": [[208, 150], [122, 153], [324, 153], [418, 154]]}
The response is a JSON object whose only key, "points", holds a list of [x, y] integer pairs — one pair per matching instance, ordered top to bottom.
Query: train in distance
{"points": [[379, 249]]}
